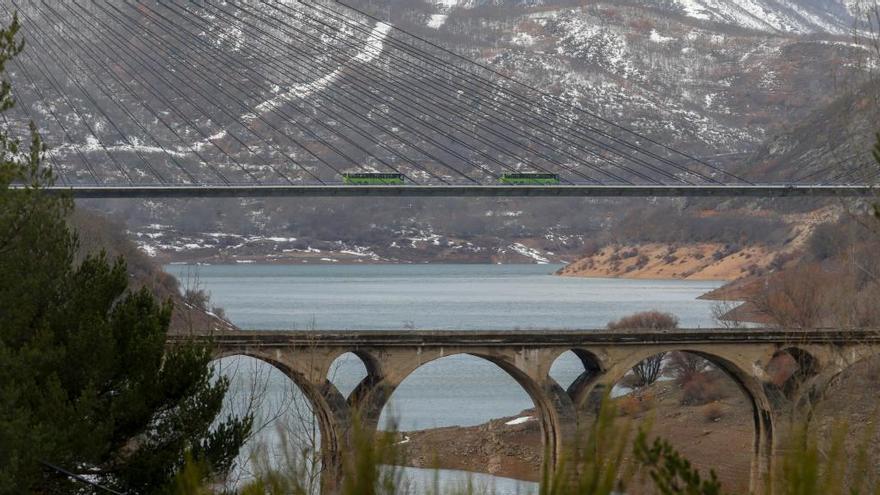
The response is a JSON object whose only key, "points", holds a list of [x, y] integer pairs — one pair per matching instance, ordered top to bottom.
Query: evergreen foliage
{"points": [[86, 381], [670, 472]]}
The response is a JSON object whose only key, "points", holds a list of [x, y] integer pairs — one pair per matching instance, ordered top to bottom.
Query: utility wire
{"points": [[187, 81], [57, 87], [149, 88], [399, 92], [159, 94], [545, 94], [113, 96], [94, 103], [322, 109], [51, 110], [434, 110], [155, 113], [518, 114], [259, 115], [420, 121], [7, 124], [304, 128], [427, 136], [79, 478]]}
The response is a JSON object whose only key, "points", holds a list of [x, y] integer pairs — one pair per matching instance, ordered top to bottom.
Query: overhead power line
{"points": [[172, 92]]}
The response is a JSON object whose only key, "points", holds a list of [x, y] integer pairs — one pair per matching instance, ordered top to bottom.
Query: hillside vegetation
{"points": [[192, 312]]}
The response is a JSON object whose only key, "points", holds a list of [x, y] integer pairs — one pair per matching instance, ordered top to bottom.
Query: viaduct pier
{"points": [[527, 356]]}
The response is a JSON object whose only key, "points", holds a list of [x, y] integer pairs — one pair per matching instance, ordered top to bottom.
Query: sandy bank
{"points": [[704, 261]]}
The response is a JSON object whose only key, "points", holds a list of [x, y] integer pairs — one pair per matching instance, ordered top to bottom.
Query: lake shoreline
{"points": [[511, 447]]}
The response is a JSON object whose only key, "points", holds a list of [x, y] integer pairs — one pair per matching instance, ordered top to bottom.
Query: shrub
{"points": [[828, 241], [629, 253], [197, 298], [796, 298], [647, 320], [685, 366], [648, 371], [700, 389], [635, 403], [629, 405], [713, 412], [670, 472]]}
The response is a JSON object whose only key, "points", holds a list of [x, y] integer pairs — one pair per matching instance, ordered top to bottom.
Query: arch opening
{"points": [[789, 368], [574, 370], [347, 372], [698, 403], [489, 414], [287, 426]]}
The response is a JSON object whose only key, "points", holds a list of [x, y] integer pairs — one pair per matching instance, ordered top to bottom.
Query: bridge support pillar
{"points": [[390, 357]]}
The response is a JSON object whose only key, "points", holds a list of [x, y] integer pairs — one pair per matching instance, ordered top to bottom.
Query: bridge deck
{"points": [[600, 191], [435, 338]]}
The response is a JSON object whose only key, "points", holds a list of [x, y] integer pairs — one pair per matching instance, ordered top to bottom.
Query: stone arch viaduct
{"points": [[390, 356]]}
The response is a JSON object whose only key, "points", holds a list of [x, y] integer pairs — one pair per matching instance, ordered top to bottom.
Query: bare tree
{"points": [[795, 298], [725, 315], [649, 370], [257, 391]]}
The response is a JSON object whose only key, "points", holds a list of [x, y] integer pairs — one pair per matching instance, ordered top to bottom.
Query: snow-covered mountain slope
{"points": [[781, 16], [787, 16], [709, 84]]}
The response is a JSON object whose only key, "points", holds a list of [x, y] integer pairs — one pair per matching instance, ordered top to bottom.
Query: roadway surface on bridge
{"points": [[603, 191], [385, 338]]}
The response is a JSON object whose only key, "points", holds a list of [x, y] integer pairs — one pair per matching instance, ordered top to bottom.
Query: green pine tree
{"points": [[86, 380]]}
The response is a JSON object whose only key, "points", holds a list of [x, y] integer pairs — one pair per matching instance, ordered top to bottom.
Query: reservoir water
{"points": [[439, 297], [456, 390]]}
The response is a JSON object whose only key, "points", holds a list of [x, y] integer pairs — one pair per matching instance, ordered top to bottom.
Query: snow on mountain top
{"points": [[778, 16], [787, 16]]}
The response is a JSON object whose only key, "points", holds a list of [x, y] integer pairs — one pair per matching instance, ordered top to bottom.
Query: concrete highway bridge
{"points": [[527, 356]]}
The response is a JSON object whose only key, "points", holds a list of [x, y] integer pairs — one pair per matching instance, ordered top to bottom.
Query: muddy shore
{"points": [[716, 435]]}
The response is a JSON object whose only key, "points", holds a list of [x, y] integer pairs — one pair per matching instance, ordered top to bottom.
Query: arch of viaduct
{"points": [[391, 356]]}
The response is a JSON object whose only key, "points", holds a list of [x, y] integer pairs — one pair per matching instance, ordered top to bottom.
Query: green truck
{"points": [[373, 179], [529, 179]]}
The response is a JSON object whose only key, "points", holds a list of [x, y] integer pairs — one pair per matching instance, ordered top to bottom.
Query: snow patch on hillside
{"points": [[787, 16], [437, 20], [658, 38], [596, 44], [373, 47], [528, 252], [520, 420]]}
